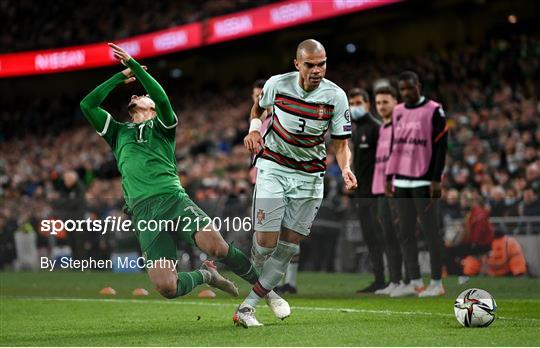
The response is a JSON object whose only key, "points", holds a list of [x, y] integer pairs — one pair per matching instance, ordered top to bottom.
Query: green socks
{"points": [[238, 262], [187, 281]]}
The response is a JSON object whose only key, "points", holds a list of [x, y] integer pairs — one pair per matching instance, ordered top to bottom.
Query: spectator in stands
{"points": [[71, 23], [482, 108], [532, 175], [496, 202], [511, 202], [531, 203], [71, 205], [450, 206]]}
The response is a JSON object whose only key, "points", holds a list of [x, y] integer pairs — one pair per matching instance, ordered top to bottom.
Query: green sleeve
{"points": [[165, 112], [100, 119]]}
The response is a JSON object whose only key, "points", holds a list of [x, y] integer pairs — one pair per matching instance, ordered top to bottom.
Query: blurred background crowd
{"points": [[67, 23], [53, 164]]}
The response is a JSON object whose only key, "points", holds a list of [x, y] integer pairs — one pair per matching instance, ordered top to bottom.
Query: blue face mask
{"points": [[357, 112]]}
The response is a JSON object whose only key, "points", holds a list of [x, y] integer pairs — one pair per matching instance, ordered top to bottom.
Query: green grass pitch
{"points": [[64, 308]]}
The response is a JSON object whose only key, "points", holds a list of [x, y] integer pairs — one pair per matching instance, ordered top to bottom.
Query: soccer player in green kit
{"points": [[144, 151]]}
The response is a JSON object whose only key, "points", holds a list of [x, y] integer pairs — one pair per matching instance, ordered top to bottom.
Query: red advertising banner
{"points": [[282, 15], [246, 23], [96, 55]]}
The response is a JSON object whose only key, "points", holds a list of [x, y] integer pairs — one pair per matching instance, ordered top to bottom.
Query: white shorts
{"points": [[285, 201]]}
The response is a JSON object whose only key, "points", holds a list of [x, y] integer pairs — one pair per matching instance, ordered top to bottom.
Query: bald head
{"points": [[308, 47], [311, 63], [70, 178]]}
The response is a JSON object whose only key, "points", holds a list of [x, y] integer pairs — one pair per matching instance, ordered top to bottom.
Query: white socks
{"points": [[259, 254], [272, 271], [292, 273]]}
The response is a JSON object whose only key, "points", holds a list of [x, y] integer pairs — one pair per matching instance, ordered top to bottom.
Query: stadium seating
{"points": [[492, 110]]}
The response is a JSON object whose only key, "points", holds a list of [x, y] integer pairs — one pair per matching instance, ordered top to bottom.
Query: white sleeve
{"points": [[268, 94], [340, 126]]}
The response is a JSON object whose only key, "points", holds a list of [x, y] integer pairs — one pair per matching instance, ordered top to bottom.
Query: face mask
{"points": [[357, 112], [471, 160], [495, 163], [512, 167], [509, 201]]}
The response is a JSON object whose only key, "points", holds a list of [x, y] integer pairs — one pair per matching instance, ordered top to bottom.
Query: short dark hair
{"points": [[408, 76], [259, 83], [389, 90], [359, 92]]}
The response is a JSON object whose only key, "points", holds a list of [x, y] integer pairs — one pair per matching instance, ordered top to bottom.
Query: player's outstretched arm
{"points": [[90, 105], [164, 109], [343, 157]]}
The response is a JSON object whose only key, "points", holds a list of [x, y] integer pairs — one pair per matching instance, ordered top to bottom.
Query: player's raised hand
{"points": [[119, 53], [129, 74], [254, 142], [350, 179]]}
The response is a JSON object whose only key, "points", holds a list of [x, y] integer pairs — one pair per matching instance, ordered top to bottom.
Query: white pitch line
{"points": [[218, 304]]}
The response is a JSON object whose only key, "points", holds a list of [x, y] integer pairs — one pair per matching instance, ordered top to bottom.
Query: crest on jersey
{"points": [[321, 111], [347, 115], [261, 215]]}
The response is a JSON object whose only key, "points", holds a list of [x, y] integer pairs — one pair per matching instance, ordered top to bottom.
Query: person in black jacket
{"points": [[365, 136]]}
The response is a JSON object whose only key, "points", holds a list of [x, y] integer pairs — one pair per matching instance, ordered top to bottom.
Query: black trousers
{"points": [[415, 204], [388, 219], [371, 231]]}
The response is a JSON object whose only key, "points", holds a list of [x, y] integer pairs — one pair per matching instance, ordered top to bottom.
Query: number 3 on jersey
{"points": [[302, 125]]}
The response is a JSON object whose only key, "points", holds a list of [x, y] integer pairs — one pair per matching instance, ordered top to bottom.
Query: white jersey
{"points": [[294, 142]]}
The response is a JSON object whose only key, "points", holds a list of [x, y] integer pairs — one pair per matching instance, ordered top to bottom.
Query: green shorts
{"points": [[161, 221]]}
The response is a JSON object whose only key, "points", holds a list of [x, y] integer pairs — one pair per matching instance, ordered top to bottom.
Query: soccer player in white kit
{"points": [[291, 162]]}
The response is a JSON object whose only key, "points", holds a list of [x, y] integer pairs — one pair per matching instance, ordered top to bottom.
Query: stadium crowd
{"points": [[66, 23], [489, 93]]}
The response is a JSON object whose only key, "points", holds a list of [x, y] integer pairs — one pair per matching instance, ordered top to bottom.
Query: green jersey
{"points": [[145, 152]]}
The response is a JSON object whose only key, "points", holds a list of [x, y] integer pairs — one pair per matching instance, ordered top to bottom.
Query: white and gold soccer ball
{"points": [[475, 308]]}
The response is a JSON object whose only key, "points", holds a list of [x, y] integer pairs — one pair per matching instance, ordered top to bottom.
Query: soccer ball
{"points": [[475, 308]]}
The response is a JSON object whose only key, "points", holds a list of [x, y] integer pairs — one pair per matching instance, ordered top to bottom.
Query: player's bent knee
{"points": [[267, 239], [164, 280], [167, 288]]}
